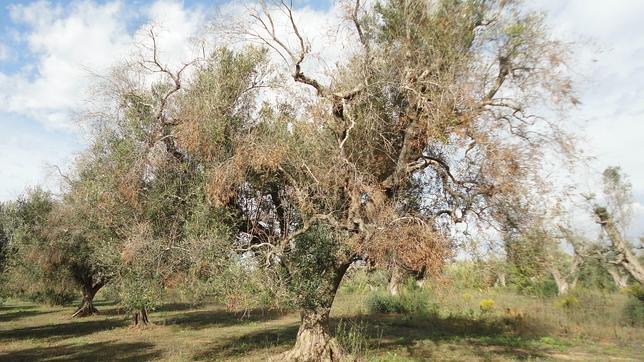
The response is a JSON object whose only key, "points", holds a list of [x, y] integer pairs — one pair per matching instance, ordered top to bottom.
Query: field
{"points": [[461, 328]]}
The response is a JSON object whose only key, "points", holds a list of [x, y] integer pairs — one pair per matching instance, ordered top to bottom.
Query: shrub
{"points": [[468, 275], [362, 280], [541, 287], [636, 291], [53, 297], [567, 302], [384, 303], [409, 303], [486, 305], [634, 312]]}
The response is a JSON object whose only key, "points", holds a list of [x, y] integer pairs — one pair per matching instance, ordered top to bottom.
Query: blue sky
{"points": [[48, 51]]}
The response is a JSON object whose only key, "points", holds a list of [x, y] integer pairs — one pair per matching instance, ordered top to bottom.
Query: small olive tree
{"points": [[33, 268]]}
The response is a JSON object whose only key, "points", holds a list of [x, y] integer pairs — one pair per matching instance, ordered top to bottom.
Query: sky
{"points": [[50, 52]]}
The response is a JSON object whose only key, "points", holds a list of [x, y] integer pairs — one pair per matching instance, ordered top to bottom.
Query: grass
{"points": [[517, 328]]}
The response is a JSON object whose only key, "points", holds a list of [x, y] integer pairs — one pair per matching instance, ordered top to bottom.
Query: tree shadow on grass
{"points": [[103, 303], [176, 307], [4, 308], [114, 309], [12, 316], [220, 317], [75, 328], [420, 337], [484, 337], [271, 340], [100, 351]]}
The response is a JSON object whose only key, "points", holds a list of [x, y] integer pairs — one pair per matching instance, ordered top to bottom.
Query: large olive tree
{"points": [[428, 122]]}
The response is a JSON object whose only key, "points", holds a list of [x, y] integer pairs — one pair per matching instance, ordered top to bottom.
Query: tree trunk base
{"points": [[86, 310], [141, 318], [314, 342], [315, 348]]}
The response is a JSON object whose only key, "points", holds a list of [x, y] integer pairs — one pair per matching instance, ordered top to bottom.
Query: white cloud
{"points": [[74, 44], [70, 45], [608, 62], [27, 153]]}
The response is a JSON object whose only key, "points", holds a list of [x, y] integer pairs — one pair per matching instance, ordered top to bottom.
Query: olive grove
{"points": [[239, 167]]}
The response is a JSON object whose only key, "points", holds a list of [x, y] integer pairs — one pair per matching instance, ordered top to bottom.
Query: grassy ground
{"points": [[516, 328]]}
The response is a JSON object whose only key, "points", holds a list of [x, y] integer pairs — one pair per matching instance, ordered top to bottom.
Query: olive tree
{"points": [[429, 122], [425, 125], [149, 196], [614, 218], [78, 225], [33, 267]]}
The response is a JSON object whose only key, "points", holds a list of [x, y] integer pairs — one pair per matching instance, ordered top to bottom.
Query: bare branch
{"points": [[356, 23]]}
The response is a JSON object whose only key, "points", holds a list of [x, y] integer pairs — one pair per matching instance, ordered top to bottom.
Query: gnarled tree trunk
{"points": [[626, 258], [395, 280], [500, 280], [620, 280], [562, 284], [87, 306], [140, 317], [314, 342]]}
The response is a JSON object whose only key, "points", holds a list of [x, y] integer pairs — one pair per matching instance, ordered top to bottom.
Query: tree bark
{"points": [[626, 258], [421, 277], [395, 280], [500, 280], [621, 281], [562, 284], [87, 306], [141, 317], [314, 342]]}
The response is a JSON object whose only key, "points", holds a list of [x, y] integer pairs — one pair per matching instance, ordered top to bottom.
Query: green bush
{"points": [[469, 275], [362, 280], [543, 287], [636, 291], [53, 297], [568, 302], [409, 303], [634, 312]]}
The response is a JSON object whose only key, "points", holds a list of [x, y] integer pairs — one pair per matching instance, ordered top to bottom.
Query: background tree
{"points": [[614, 218], [77, 230], [164, 230], [4, 246], [33, 266]]}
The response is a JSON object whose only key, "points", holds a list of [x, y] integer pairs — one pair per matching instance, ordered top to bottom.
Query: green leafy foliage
{"points": [[312, 259], [34, 268], [410, 303], [634, 312]]}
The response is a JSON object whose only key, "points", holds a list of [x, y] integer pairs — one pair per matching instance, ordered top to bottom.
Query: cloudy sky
{"points": [[51, 51]]}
